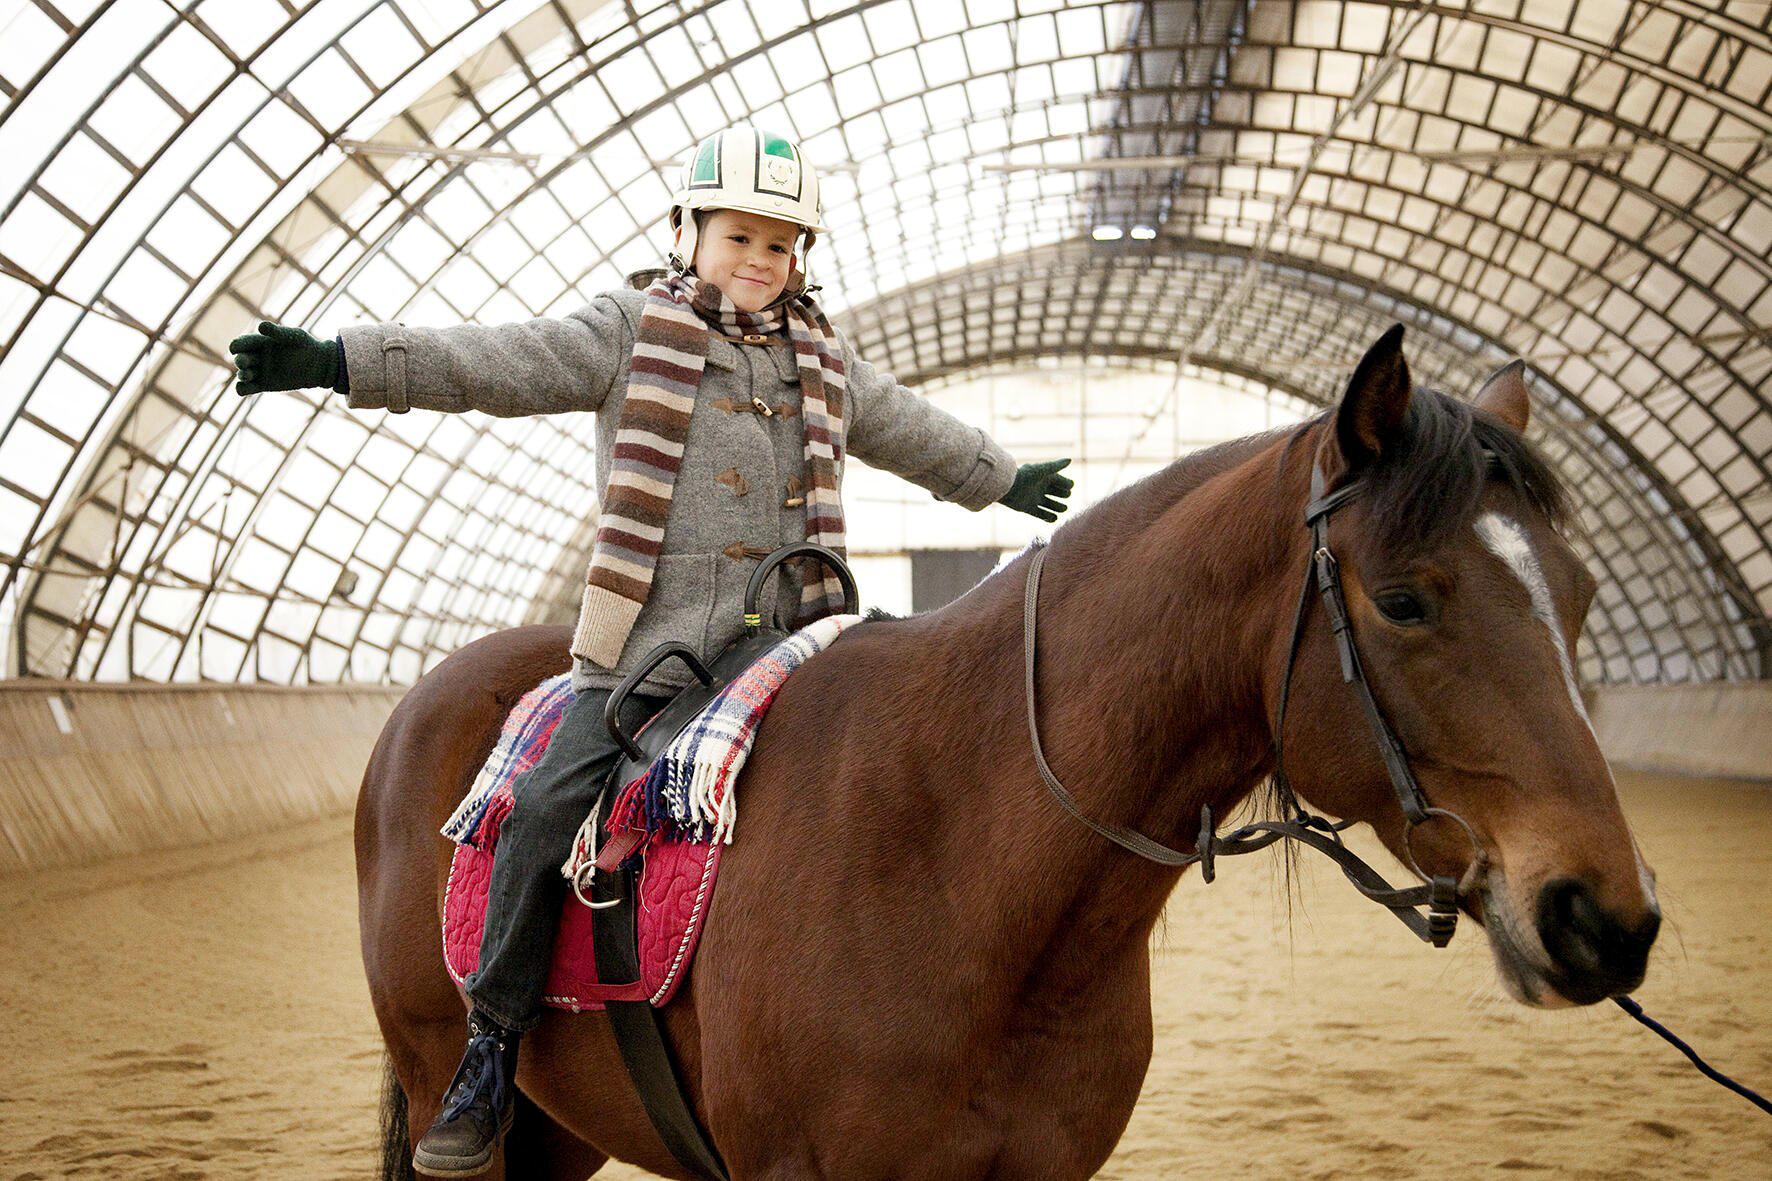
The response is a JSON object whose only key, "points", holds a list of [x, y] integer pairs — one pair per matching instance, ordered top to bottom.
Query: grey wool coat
{"points": [[738, 493]]}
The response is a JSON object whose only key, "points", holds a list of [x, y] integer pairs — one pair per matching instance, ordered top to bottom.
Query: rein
{"points": [[1439, 895]]}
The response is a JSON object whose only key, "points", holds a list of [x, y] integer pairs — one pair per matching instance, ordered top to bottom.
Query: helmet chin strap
{"points": [[682, 255], [807, 286]]}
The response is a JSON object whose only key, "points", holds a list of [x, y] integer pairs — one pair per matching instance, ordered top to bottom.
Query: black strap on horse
{"points": [[1438, 894], [638, 1032]]}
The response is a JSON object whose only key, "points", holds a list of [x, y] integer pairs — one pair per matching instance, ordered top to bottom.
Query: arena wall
{"points": [[1721, 729], [96, 771], [89, 772]]}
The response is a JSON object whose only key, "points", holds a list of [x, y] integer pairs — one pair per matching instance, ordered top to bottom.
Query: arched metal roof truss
{"points": [[1256, 188]]}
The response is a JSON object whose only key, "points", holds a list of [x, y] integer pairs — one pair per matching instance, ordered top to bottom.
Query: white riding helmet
{"points": [[743, 168]]}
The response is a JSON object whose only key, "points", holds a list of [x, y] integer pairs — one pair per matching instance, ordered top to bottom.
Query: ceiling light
{"points": [[1106, 233], [1144, 233]]}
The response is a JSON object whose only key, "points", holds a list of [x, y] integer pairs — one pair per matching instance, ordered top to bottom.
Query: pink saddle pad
{"points": [[676, 885]]}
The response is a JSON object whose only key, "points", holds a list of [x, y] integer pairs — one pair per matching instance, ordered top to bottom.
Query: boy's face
{"points": [[746, 255]]}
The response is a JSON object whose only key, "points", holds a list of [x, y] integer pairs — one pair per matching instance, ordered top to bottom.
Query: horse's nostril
{"points": [[1570, 924], [1643, 938], [1598, 953]]}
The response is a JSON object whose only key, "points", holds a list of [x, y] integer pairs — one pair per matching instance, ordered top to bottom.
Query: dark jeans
{"points": [[549, 803]]}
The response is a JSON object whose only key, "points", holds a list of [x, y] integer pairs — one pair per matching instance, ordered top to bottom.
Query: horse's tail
{"points": [[396, 1137]]}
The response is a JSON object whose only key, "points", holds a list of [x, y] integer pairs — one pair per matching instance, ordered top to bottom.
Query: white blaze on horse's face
{"points": [[1504, 537], [1517, 940]]}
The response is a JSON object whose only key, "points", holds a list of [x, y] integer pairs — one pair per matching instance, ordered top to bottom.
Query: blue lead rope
{"points": [[1635, 1010]]}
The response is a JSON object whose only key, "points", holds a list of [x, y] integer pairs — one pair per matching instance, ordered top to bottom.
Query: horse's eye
{"points": [[1402, 606]]}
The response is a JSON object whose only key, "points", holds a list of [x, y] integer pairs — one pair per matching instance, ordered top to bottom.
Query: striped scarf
{"points": [[670, 353]]}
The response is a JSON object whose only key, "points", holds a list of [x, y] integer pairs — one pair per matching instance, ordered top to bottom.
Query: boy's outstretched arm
{"points": [[535, 367], [893, 429]]}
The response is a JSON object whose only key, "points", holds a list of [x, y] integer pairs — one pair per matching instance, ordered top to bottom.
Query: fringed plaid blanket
{"points": [[520, 746], [688, 792]]}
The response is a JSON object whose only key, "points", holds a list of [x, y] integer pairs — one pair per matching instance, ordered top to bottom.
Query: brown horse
{"points": [[917, 965]]}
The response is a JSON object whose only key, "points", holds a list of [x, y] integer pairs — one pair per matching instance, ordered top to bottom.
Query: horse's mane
{"points": [[1430, 484], [1420, 491]]}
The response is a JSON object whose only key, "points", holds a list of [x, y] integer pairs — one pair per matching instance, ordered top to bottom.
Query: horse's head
{"points": [[1466, 603]]}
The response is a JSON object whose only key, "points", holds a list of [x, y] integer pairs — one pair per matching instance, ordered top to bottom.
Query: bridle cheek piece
{"points": [[1438, 894]]}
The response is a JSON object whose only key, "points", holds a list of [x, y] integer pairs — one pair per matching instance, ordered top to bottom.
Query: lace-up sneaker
{"points": [[477, 1108]]}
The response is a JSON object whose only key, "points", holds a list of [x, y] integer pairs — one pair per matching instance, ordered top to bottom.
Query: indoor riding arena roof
{"points": [[1247, 188]]}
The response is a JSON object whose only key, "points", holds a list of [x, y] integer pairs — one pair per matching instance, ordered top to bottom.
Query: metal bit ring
{"points": [[1479, 859]]}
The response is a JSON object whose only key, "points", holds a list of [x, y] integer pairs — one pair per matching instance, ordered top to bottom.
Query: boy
{"points": [[726, 405]]}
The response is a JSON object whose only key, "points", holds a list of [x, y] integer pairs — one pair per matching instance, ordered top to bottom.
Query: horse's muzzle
{"points": [[1596, 954]]}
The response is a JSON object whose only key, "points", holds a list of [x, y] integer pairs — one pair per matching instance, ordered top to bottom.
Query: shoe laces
{"points": [[482, 1068]]}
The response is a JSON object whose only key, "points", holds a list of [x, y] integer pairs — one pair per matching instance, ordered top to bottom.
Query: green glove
{"points": [[279, 358], [1039, 490]]}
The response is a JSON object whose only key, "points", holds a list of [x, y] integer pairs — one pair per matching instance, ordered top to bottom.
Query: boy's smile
{"points": [[746, 255]]}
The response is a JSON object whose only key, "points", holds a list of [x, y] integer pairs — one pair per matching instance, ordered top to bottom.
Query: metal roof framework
{"points": [[1251, 188]]}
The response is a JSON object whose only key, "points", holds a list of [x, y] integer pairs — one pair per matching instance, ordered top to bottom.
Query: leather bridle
{"points": [[1439, 894]]}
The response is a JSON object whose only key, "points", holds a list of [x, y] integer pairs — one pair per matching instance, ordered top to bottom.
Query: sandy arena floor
{"points": [[202, 1014]]}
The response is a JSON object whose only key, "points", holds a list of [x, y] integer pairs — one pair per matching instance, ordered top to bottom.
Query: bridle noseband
{"points": [[1439, 895]]}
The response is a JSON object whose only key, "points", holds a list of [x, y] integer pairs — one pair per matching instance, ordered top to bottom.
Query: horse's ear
{"points": [[1504, 396], [1370, 416]]}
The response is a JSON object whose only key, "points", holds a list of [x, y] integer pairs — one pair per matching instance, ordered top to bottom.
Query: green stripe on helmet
{"points": [[775, 145], [705, 167]]}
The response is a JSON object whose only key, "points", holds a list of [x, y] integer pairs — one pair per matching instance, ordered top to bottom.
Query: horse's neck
{"points": [[1153, 653]]}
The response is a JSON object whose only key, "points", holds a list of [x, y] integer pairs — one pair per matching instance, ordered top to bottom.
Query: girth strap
{"points": [[639, 1032]]}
